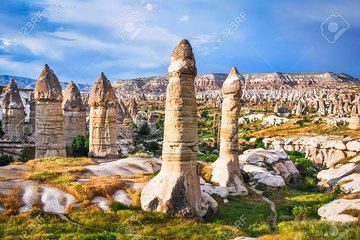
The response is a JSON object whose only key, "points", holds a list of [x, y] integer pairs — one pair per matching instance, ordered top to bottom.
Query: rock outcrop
{"points": [[13, 114], [74, 114], [103, 120], [354, 122], [152, 123], [49, 124], [226, 169], [176, 188]]}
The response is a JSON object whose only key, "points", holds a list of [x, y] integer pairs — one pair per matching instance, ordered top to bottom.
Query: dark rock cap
{"points": [[182, 59], [48, 86], [102, 93], [12, 98], [72, 99]]}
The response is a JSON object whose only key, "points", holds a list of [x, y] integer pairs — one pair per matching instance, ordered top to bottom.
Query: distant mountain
{"points": [[29, 83]]}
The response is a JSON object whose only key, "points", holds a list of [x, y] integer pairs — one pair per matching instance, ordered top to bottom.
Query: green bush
{"points": [[144, 129], [259, 142], [80, 146], [26, 154], [208, 157], [6, 159], [307, 171], [301, 212]]}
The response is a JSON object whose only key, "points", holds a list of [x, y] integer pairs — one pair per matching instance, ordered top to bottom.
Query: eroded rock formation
{"points": [[13, 113], [74, 114], [103, 120], [49, 124], [226, 170], [176, 189]]}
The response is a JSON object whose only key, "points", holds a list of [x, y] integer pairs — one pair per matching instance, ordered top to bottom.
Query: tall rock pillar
{"points": [[13, 113], [74, 114], [103, 120], [354, 122], [49, 123], [226, 170], [176, 189]]}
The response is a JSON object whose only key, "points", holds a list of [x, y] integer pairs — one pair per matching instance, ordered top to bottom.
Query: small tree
{"points": [[80, 146], [26, 154], [6, 159]]}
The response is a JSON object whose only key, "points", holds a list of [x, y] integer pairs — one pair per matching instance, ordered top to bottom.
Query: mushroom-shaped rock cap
{"points": [[182, 59], [232, 83], [48, 86], [102, 93], [12, 98], [72, 99]]}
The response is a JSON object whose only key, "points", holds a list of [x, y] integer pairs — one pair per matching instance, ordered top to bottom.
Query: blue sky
{"points": [[128, 39]]}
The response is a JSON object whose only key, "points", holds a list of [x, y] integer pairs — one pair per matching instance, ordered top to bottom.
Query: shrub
{"points": [[144, 129], [259, 142], [80, 146], [26, 154], [6, 159], [307, 171], [116, 206], [301, 212]]}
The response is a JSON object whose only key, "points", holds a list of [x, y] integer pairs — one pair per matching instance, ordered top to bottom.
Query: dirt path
{"points": [[272, 218]]}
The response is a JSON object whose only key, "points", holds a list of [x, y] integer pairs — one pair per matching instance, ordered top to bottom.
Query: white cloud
{"points": [[149, 7], [184, 18], [6, 42], [20, 68]]}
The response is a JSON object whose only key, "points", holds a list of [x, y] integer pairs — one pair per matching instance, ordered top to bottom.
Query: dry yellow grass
{"points": [[11, 202]]}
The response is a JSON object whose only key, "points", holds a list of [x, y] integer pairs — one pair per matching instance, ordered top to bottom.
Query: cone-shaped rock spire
{"points": [[48, 86], [102, 93], [12, 98], [72, 98], [12, 113], [74, 115], [103, 119], [49, 123], [226, 170]]}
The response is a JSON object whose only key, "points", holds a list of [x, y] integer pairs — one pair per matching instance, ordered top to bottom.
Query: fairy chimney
{"points": [[13, 114], [74, 114], [103, 120], [49, 124], [226, 169], [176, 189]]}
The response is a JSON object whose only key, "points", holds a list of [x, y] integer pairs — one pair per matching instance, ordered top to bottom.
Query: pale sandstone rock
{"points": [[13, 114], [74, 114], [103, 120], [49, 124], [353, 146], [226, 169], [284, 173], [333, 175], [351, 183], [176, 188], [333, 210]]}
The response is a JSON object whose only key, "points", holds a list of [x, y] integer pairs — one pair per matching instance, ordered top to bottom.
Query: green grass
{"points": [[288, 199], [250, 214], [122, 224], [313, 229]]}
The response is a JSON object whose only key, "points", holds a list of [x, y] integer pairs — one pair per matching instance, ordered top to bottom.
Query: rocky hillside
{"points": [[29, 83], [208, 84]]}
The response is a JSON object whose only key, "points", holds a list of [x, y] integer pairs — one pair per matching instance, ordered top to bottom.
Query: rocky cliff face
{"points": [[259, 86]]}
